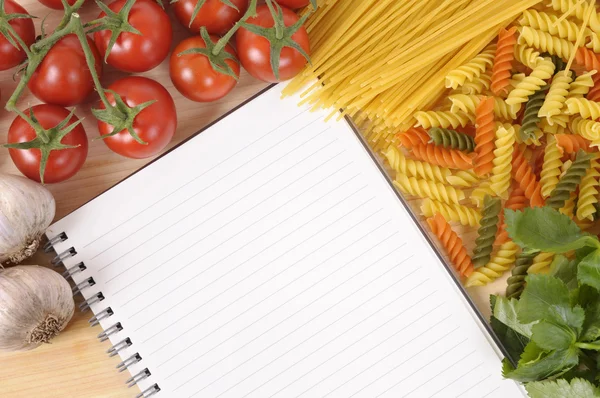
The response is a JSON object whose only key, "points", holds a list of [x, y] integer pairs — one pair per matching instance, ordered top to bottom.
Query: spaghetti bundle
{"points": [[382, 60]]}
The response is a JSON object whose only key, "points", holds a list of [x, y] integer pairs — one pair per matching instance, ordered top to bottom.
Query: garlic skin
{"points": [[26, 210], [36, 304]]}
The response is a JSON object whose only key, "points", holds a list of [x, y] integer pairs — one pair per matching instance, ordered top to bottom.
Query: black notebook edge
{"points": [[483, 321]]}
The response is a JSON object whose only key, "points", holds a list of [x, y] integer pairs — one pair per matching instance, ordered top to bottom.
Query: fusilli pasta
{"points": [[564, 29], [546, 42], [505, 54], [472, 69], [532, 83], [556, 97], [468, 103], [445, 119], [485, 136], [452, 139], [443, 157], [551, 167], [414, 168], [501, 172], [524, 176], [570, 180], [428, 189], [588, 191], [516, 201], [458, 213], [487, 231], [452, 243], [541, 263], [498, 265], [516, 282]]}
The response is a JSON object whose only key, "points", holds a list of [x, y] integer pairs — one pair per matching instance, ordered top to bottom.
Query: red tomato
{"points": [[56, 4], [294, 4], [214, 14], [255, 51], [138, 53], [9, 55], [193, 75], [63, 78], [155, 125], [62, 164]]}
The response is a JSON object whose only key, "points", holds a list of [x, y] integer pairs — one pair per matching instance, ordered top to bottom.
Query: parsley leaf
{"points": [[545, 229], [564, 270], [588, 272], [547, 298], [505, 310], [591, 326], [508, 329], [550, 336], [544, 365], [578, 388]]}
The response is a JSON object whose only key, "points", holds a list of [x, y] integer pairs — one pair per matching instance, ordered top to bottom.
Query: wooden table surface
{"points": [[76, 364]]}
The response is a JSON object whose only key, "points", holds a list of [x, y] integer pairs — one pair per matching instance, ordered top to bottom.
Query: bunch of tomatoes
{"points": [[136, 116]]}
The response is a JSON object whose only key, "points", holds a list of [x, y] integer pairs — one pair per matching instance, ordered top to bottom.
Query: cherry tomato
{"points": [[56, 4], [293, 4], [214, 14], [255, 51], [138, 53], [9, 55], [193, 75], [63, 78], [155, 125], [62, 164]]}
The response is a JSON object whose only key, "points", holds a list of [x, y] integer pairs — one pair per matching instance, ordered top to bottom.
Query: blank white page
{"points": [[269, 257]]}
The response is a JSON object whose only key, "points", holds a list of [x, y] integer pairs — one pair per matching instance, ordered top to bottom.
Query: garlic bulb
{"points": [[26, 210], [36, 303]]}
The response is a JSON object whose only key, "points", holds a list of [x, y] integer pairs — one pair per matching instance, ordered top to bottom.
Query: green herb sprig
{"points": [[552, 332]]}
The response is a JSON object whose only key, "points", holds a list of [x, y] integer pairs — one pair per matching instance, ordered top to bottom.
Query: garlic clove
{"points": [[26, 210], [36, 304]]}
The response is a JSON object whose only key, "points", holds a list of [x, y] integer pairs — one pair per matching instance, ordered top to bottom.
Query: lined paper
{"points": [[268, 257]]}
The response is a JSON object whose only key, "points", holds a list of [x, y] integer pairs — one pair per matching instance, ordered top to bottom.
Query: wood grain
{"points": [[76, 364]]}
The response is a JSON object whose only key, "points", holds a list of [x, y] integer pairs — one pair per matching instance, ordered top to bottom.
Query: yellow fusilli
{"points": [[549, 23], [546, 42], [526, 55], [472, 69], [532, 83], [479, 85], [581, 85], [555, 99], [467, 103], [584, 107], [444, 119], [588, 129], [415, 168], [551, 169], [501, 173], [462, 178], [428, 189], [588, 192], [479, 193], [451, 212], [501, 262], [541, 263]]}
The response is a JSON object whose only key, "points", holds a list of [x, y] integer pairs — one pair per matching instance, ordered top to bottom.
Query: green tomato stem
{"points": [[250, 12], [38, 52], [90, 60]]}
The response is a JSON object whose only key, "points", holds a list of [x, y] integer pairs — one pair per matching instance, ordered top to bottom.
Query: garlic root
{"points": [[26, 210], [36, 304]]}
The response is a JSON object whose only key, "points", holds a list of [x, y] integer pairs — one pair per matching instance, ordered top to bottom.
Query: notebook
{"points": [[269, 256]]}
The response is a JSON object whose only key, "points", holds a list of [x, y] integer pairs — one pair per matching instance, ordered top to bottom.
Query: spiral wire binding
{"points": [[104, 314]]}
